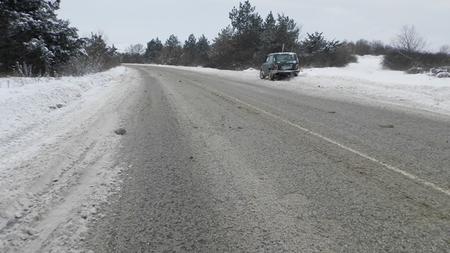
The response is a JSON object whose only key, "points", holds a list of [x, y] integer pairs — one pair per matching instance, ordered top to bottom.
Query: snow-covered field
{"points": [[365, 81], [56, 144]]}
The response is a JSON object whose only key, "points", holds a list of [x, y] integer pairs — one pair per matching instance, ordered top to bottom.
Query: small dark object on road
{"points": [[179, 81], [57, 106], [332, 112], [386, 126], [120, 131], [191, 158]]}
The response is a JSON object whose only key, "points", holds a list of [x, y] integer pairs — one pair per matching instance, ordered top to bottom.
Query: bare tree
{"points": [[409, 40], [137, 49], [445, 49]]}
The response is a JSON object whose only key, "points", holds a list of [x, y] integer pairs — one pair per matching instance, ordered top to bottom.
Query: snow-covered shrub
{"points": [[316, 51], [96, 56], [402, 60], [23, 69], [415, 70]]}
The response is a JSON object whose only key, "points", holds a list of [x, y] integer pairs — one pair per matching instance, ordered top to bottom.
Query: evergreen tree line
{"points": [[249, 37], [35, 42], [245, 43], [194, 52]]}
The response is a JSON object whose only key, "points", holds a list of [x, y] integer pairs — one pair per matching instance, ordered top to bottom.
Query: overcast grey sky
{"points": [[138, 21]]}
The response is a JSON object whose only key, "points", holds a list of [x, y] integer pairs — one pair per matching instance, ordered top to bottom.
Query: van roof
{"points": [[282, 53]]}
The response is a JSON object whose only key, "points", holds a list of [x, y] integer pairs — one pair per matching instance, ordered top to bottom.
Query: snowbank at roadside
{"points": [[369, 68], [365, 81], [28, 102], [58, 156]]}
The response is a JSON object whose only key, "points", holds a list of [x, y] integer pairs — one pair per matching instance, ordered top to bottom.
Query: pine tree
{"points": [[247, 29], [269, 29], [279, 33], [287, 33], [31, 34], [268, 38], [314, 43], [96, 49], [223, 49], [153, 51], [172, 51], [189, 51], [203, 51], [320, 52], [100, 55], [96, 56]]}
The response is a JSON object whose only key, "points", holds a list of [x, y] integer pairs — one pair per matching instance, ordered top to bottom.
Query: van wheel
{"points": [[261, 74], [272, 77]]}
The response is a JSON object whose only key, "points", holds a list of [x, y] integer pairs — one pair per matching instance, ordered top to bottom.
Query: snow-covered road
{"points": [[57, 144], [227, 165]]}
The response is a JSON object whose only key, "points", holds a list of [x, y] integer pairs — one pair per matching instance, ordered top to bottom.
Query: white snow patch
{"points": [[27, 102], [57, 163]]}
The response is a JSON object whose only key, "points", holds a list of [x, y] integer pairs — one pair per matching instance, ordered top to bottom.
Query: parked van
{"points": [[280, 64]]}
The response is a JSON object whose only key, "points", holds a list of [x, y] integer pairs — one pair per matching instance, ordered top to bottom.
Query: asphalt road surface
{"points": [[225, 165]]}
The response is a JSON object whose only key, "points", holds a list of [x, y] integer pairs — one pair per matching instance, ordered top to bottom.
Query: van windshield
{"points": [[285, 57]]}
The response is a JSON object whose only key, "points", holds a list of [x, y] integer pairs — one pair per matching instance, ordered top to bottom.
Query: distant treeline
{"points": [[249, 38], [243, 44]]}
